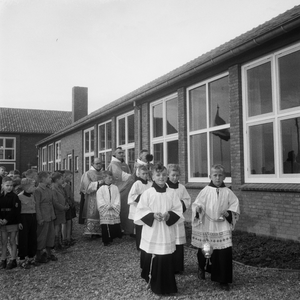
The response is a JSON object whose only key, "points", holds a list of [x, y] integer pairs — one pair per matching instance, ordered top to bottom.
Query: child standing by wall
{"points": [[140, 185], [181, 192], [109, 205], [60, 207], [157, 211], [71, 212], [214, 214], [45, 218], [10, 222], [27, 236]]}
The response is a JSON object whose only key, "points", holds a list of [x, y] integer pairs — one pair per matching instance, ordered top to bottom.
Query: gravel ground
{"points": [[89, 270]]}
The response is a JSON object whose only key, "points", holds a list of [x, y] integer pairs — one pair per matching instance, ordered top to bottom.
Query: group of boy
{"points": [[28, 217]]}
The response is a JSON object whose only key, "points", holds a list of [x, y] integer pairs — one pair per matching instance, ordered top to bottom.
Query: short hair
{"points": [[143, 151], [173, 167], [218, 167], [3, 168], [143, 168], [158, 168], [30, 173], [107, 173], [42, 174], [55, 176], [6, 179], [16, 181], [25, 182]]}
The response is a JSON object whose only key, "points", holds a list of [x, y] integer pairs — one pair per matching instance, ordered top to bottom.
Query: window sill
{"points": [[271, 187]]}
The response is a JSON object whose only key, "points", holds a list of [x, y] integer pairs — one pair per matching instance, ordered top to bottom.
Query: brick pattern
{"points": [[145, 130]]}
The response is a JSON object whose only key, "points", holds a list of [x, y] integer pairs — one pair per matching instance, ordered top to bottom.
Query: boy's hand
{"points": [[225, 213], [166, 216], [158, 217], [4, 222], [20, 226]]}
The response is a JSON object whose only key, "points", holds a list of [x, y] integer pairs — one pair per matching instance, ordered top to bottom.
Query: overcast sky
{"points": [[112, 47]]}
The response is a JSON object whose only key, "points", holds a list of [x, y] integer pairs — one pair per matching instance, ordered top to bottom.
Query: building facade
{"points": [[238, 105]]}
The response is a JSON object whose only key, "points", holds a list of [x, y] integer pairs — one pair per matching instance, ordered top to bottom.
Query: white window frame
{"points": [[275, 117], [206, 130], [164, 138], [127, 146], [106, 151], [90, 154], [57, 155], [44, 158], [69, 159], [12, 160], [50, 163], [76, 164]]}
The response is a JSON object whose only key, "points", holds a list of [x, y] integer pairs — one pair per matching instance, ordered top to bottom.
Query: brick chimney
{"points": [[79, 103]]}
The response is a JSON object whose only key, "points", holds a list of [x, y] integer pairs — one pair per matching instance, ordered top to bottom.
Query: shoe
{"points": [[52, 257], [42, 259], [34, 263], [3, 264], [12, 264], [24, 264], [201, 274], [225, 286]]}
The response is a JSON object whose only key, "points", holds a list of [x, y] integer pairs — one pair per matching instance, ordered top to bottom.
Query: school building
{"points": [[238, 105]]}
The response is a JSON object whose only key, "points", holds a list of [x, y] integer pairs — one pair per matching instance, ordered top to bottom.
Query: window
{"points": [[271, 95], [208, 127], [164, 129], [125, 137], [104, 140], [89, 141], [7, 149], [58, 155], [50, 158], [44, 159], [70, 162], [64, 164], [76, 167]]}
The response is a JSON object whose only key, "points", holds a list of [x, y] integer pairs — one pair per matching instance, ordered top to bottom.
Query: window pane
{"points": [[289, 74], [259, 90], [219, 102], [197, 108], [172, 116], [157, 120], [130, 129], [108, 135], [102, 137], [92, 140], [122, 140], [1, 143], [9, 143], [87, 143], [290, 145], [172, 148], [220, 149], [261, 149], [1, 153], [158, 153], [9, 154], [198, 154], [102, 157], [130, 158], [108, 159], [87, 163]]}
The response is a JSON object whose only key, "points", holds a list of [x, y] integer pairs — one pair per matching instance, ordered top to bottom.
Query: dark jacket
{"points": [[10, 208]]}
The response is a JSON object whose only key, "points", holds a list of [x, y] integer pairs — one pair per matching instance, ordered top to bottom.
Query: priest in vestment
{"points": [[123, 179], [90, 183]]}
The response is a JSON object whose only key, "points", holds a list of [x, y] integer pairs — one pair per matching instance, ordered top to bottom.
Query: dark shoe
{"points": [[52, 257], [41, 260], [34, 263], [3, 264], [12, 264], [201, 274], [225, 286]]}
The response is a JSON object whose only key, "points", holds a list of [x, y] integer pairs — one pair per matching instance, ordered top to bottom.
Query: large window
{"points": [[271, 94], [208, 127], [164, 130], [125, 136], [104, 143], [89, 144], [8, 153], [58, 155], [50, 158], [44, 159]]}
